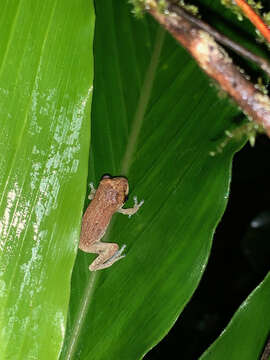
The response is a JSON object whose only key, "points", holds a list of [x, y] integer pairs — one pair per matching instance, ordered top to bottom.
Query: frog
{"points": [[108, 199]]}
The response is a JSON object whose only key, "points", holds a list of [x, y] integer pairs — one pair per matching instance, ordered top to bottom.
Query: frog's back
{"points": [[108, 199], [94, 224]]}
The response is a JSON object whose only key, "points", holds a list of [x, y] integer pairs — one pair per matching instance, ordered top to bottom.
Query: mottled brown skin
{"points": [[107, 199]]}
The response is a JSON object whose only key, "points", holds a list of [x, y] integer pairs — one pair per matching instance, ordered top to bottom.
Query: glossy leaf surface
{"points": [[46, 77], [155, 119], [246, 334]]}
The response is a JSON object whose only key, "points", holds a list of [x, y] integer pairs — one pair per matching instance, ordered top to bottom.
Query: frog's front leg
{"points": [[92, 191], [133, 210], [109, 253]]}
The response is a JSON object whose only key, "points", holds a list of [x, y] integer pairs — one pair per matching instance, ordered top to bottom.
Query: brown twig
{"points": [[254, 18], [222, 39], [215, 62], [266, 351]]}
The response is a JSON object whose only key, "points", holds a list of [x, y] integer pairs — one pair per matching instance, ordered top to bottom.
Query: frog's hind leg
{"points": [[109, 253]]}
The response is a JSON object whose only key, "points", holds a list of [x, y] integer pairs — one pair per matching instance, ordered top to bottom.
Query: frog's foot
{"points": [[133, 210], [109, 253], [118, 255]]}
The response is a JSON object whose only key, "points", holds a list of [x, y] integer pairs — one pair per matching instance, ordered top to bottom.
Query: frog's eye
{"points": [[106, 176], [126, 189]]}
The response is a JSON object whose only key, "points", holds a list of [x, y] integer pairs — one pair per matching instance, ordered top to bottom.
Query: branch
{"points": [[254, 18], [215, 62], [264, 64]]}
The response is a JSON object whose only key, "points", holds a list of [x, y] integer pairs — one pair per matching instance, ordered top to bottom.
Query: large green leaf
{"points": [[45, 96], [154, 119], [245, 336]]}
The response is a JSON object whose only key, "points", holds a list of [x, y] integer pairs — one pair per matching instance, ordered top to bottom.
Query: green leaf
{"points": [[45, 85], [154, 119], [246, 334]]}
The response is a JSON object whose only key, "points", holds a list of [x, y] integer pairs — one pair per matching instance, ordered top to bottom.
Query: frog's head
{"points": [[117, 185]]}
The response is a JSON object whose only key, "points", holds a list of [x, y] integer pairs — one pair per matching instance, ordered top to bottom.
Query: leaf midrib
{"points": [[125, 166]]}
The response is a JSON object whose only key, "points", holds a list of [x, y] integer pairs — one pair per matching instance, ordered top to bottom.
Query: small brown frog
{"points": [[109, 198]]}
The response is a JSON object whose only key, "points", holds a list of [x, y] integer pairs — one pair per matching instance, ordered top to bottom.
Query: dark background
{"points": [[238, 263]]}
